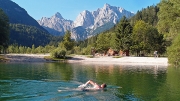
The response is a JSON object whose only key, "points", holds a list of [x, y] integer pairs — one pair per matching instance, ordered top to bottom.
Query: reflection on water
{"points": [[59, 81]]}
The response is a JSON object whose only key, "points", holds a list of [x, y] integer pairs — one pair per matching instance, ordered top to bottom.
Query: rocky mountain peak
{"points": [[107, 6], [58, 15], [84, 19], [87, 23], [56, 24]]}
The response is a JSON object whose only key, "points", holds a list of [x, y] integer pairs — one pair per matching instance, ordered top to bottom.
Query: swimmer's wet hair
{"points": [[104, 85]]}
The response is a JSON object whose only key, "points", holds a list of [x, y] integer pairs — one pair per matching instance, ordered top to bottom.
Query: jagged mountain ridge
{"points": [[101, 16], [87, 23], [56, 25]]}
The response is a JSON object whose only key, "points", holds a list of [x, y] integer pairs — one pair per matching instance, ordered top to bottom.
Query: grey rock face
{"points": [[84, 19], [87, 23], [56, 24]]}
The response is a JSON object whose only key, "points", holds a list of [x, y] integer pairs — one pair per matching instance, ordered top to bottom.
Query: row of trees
{"points": [[141, 37], [15, 48]]}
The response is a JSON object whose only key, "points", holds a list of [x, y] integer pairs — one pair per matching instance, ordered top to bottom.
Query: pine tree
{"points": [[123, 32], [67, 42]]}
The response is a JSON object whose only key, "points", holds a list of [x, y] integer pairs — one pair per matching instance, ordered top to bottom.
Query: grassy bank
{"points": [[49, 58]]}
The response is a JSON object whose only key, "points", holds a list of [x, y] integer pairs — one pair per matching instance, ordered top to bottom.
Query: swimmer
{"points": [[94, 84], [88, 86]]}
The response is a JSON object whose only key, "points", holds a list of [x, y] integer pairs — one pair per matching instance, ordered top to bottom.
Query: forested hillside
{"points": [[18, 15], [148, 15], [4, 30], [24, 30], [28, 35]]}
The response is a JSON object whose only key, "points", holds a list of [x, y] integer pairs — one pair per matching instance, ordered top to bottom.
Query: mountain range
{"points": [[87, 23]]}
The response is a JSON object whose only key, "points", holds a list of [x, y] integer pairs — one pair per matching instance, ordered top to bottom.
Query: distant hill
{"points": [[17, 14], [19, 18], [28, 35]]}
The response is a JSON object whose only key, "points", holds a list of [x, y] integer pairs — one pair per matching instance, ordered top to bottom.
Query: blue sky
{"points": [[69, 9]]}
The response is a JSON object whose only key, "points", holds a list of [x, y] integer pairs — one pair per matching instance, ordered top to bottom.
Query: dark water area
{"points": [[59, 82]]}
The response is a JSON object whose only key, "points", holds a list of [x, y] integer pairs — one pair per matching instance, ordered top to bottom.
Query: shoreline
{"points": [[26, 57], [95, 60], [122, 61]]}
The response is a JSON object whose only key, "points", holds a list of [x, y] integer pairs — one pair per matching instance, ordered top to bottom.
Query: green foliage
{"points": [[148, 15], [169, 21], [169, 26], [4, 30], [139, 31], [123, 34], [28, 35], [139, 36], [147, 39], [55, 40], [112, 40], [92, 41], [155, 41], [67, 42], [102, 42], [64, 47], [27, 50], [77, 50], [87, 50], [174, 52], [58, 53], [116, 56]]}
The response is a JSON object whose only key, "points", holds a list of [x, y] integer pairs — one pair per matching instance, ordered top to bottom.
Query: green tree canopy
{"points": [[148, 15], [169, 21], [169, 26], [4, 29], [123, 32], [139, 36], [146, 38], [67, 42], [102, 42], [174, 52]]}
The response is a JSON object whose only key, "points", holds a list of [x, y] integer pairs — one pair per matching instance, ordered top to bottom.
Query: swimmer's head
{"points": [[103, 85]]}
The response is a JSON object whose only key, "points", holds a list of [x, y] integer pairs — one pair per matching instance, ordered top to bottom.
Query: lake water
{"points": [[59, 82]]}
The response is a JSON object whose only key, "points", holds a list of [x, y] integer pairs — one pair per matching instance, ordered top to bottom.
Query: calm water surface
{"points": [[59, 82]]}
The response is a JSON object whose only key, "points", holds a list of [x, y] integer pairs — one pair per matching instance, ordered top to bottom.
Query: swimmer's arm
{"points": [[90, 82]]}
